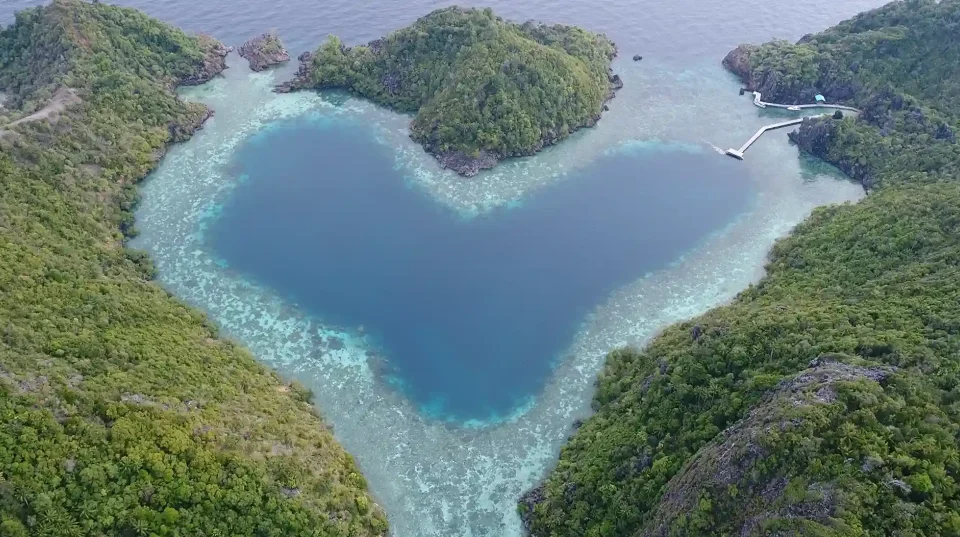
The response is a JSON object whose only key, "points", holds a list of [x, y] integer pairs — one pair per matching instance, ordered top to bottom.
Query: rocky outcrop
{"points": [[264, 51], [737, 61], [214, 62], [212, 65], [301, 80], [386, 80], [768, 83], [771, 83], [616, 84], [190, 124], [945, 132], [816, 136], [457, 161], [464, 164], [469, 166], [734, 459], [529, 501]]}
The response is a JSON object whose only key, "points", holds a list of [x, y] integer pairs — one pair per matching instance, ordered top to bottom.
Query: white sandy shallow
{"points": [[440, 479]]}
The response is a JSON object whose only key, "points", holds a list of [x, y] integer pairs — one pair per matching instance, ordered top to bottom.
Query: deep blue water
{"points": [[674, 31], [470, 313]]}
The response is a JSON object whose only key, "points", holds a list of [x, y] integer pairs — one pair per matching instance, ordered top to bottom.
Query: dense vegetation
{"points": [[897, 64], [482, 88], [825, 400], [121, 413]]}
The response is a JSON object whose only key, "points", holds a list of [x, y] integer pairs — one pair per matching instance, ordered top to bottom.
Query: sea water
{"points": [[470, 314], [496, 437], [447, 444]]}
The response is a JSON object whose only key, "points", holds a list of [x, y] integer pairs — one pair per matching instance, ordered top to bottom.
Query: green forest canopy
{"points": [[477, 83], [121, 412], [702, 433]]}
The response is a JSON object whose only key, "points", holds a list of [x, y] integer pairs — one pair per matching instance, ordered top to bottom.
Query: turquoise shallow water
{"points": [[471, 313], [437, 478]]}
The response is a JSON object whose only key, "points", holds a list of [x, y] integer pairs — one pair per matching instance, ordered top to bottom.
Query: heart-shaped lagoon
{"points": [[471, 314]]}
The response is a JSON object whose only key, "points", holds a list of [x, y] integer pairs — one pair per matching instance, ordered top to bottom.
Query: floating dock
{"points": [[758, 101], [738, 153]]}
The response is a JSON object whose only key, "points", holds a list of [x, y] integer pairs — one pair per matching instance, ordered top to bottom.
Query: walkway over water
{"points": [[758, 101], [738, 153]]}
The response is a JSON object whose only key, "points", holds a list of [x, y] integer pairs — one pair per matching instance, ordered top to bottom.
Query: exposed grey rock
{"points": [[264, 51], [214, 62], [301, 79], [391, 83], [616, 83], [773, 86], [944, 132], [816, 135], [458, 161], [467, 165], [696, 332], [33, 384], [137, 399], [732, 458], [900, 485], [529, 501]]}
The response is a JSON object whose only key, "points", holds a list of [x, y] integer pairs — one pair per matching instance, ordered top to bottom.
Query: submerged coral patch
{"points": [[471, 313], [436, 478]]}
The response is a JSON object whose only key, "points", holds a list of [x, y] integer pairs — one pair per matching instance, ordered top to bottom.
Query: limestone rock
{"points": [[264, 51], [214, 62], [301, 79]]}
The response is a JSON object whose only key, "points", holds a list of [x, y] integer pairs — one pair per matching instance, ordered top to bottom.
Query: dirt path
{"points": [[63, 98]]}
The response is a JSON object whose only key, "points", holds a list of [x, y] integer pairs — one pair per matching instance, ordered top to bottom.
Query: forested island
{"points": [[482, 89], [823, 400], [121, 411]]}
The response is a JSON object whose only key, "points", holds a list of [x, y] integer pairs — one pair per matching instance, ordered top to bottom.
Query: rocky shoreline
{"points": [[264, 51], [214, 62], [300, 80], [774, 88], [814, 135], [819, 136], [463, 164], [469, 166]]}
